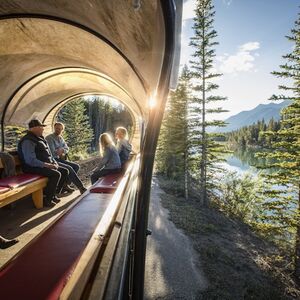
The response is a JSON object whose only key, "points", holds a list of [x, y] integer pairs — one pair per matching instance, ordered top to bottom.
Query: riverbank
{"points": [[237, 263]]}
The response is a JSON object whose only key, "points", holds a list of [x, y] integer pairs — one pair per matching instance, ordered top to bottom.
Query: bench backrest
{"points": [[17, 162]]}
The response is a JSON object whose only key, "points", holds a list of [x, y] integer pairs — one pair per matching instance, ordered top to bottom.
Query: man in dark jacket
{"points": [[36, 158]]}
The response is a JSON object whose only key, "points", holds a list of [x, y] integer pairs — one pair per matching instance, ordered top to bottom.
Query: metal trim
{"points": [[148, 152]]}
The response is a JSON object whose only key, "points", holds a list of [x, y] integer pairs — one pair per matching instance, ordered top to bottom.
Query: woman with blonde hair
{"points": [[110, 162]]}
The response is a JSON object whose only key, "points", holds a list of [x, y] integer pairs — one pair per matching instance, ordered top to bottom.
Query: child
{"points": [[123, 146], [110, 162]]}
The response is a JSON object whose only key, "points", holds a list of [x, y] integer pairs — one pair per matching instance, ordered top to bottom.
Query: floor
{"points": [[25, 222]]}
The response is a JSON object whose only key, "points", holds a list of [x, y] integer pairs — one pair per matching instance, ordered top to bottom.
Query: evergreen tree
{"points": [[202, 66], [99, 112], [106, 117], [78, 133], [257, 134], [12, 136], [173, 146], [284, 159]]}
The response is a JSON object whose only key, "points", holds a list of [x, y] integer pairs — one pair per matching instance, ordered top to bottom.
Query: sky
{"points": [[251, 36]]}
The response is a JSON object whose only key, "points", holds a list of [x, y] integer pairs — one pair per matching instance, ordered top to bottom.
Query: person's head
{"points": [[36, 127], [58, 128], [121, 133], [104, 141]]}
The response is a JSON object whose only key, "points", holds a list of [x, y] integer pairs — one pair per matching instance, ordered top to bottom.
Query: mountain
{"points": [[248, 117]]}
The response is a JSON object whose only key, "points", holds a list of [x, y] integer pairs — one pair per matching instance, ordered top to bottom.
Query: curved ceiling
{"points": [[53, 50], [48, 90]]}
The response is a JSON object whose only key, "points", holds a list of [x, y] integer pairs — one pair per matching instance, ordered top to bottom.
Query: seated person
{"points": [[123, 146], [59, 149], [36, 158], [110, 162]]}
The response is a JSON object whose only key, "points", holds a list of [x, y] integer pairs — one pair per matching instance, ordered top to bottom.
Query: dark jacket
{"points": [[124, 149], [42, 150]]}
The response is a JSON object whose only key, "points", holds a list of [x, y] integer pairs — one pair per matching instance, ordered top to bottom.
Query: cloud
{"points": [[227, 2], [188, 10], [249, 46], [241, 61]]}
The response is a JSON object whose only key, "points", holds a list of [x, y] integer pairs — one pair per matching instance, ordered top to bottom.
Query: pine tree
{"points": [[202, 66], [99, 112], [106, 117], [78, 133], [12, 136], [173, 146], [284, 159]]}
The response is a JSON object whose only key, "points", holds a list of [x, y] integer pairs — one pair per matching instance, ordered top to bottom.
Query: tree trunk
{"points": [[203, 156], [186, 187], [297, 245]]}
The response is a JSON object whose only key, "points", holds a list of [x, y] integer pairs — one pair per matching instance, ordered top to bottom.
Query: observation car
{"points": [[51, 52]]}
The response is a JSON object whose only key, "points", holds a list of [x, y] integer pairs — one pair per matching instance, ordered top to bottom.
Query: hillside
{"points": [[262, 111], [237, 263]]}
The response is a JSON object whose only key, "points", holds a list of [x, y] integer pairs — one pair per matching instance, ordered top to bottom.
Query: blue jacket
{"points": [[124, 149], [111, 158]]}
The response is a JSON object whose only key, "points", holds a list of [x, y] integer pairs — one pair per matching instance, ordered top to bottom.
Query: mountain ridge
{"points": [[248, 117]]}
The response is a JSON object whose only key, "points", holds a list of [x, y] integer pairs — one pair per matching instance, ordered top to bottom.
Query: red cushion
{"points": [[18, 180], [107, 184], [4, 189]]}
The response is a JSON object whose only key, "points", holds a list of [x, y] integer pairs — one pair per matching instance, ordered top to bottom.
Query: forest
{"points": [[85, 118], [259, 134], [190, 157]]}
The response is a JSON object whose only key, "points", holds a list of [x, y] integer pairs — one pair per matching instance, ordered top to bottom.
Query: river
{"points": [[241, 161]]}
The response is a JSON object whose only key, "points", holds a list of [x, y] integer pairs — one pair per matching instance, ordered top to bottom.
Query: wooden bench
{"points": [[16, 187]]}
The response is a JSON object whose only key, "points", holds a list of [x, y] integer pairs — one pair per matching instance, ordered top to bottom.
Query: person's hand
{"points": [[59, 152], [50, 166]]}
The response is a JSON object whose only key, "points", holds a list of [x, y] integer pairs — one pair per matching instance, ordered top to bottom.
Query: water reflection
{"points": [[245, 160], [235, 164]]}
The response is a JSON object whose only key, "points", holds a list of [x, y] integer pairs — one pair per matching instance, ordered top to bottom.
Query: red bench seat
{"points": [[18, 180], [107, 184], [4, 189], [42, 269]]}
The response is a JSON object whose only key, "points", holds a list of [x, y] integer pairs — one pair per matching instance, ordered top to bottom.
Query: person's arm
{"points": [[124, 143], [51, 144], [64, 145], [119, 146], [128, 146], [28, 150], [105, 158]]}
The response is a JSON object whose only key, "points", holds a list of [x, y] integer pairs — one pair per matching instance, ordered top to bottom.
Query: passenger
{"points": [[123, 146], [59, 150], [36, 158], [110, 162], [5, 243]]}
